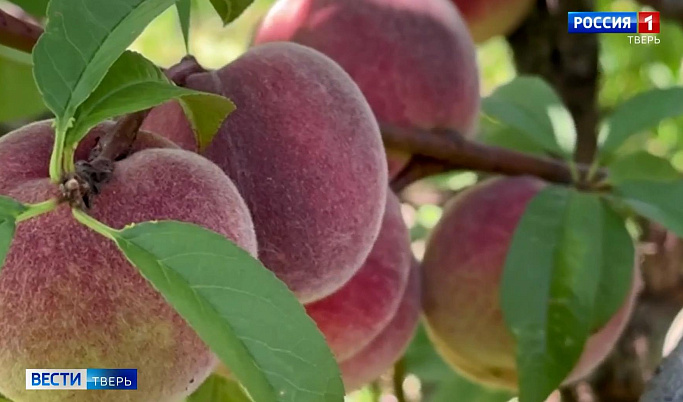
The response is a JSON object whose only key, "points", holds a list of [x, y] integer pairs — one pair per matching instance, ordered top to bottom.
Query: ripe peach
{"points": [[414, 60], [306, 154], [463, 266], [70, 299], [353, 315], [387, 347]]}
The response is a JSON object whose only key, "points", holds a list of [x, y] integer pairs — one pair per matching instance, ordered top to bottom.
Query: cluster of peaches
{"points": [[298, 176]]}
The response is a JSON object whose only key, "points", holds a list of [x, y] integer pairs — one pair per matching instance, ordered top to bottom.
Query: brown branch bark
{"points": [[18, 34], [120, 138], [447, 150], [418, 168]]}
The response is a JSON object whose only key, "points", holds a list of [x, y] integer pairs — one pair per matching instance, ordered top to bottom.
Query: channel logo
{"points": [[613, 22], [81, 379]]}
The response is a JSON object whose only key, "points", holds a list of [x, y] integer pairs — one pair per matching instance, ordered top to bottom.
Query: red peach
{"points": [[414, 60], [305, 152], [463, 266], [70, 299], [353, 315], [387, 347]]}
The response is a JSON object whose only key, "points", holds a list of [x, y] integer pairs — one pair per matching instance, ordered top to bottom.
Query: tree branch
{"points": [[18, 34], [445, 150], [418, 168]]}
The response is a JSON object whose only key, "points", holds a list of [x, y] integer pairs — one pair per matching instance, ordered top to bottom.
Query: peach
{"points": [[489, 18], [414, 60], [305, 152], [463, 266], [70, 299], [353, 315], [386, 348]]}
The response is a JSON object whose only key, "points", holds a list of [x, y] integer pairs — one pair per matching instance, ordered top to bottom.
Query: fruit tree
{"points": [[340, 200]]}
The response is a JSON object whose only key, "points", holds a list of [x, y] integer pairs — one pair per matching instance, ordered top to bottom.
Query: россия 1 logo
{"points": [[613, 22]]}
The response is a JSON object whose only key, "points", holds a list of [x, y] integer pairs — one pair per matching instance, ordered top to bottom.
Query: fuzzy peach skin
{"points": [[489, 18], [414, 60], [306, 154], [463, 266], [70, 299], [353, 315], [389, 345]]}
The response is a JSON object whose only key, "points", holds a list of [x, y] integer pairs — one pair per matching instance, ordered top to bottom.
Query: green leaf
{"points": [[37, 8], [184, 8], [229, 10], [82, 40], [134, 83], [19, 96], [532, 108], [206, 113], [639, 113], [494, 133], [642, 166], [656, 200], [10, 210], [564, 245], [617, 265], [239, 308], [422, 360], [219, 389], [467, 391]]}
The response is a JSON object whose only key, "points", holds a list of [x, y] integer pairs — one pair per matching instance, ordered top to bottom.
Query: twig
{"points": [[18, 34], [187, 66], [119, 139], [114, 145], [455, 152], [417, 168], [79, 188], [397, 380]]}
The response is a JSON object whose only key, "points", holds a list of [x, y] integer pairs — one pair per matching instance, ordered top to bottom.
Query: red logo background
{"points": [[643, 27]]}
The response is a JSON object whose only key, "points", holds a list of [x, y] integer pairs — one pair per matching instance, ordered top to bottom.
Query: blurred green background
{"points": [[626, 70]]}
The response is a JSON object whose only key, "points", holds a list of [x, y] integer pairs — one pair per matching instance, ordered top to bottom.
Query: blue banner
{"points": [[602, 22], [81, 379], [112, 379]]}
